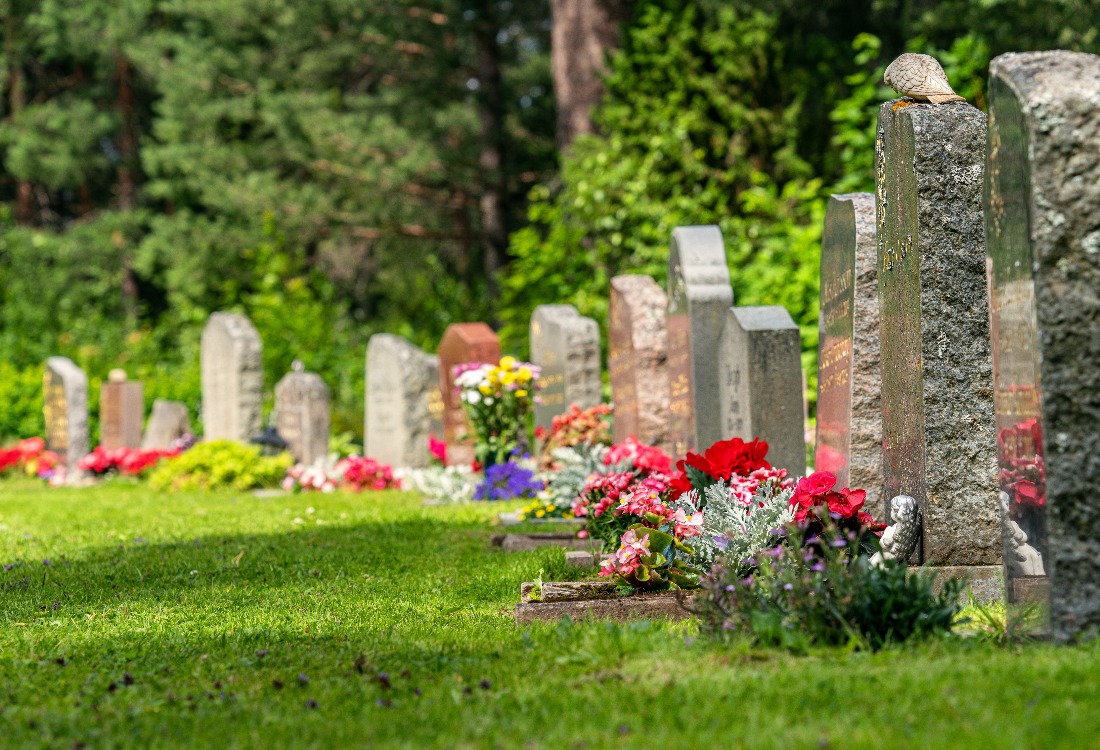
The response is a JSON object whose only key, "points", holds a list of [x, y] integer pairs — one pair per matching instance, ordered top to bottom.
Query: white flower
{"points": [[471, 397]]}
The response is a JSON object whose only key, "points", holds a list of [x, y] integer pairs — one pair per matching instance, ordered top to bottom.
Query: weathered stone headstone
{"points": [[1042, 224], [699, 294], [462, 343], [566, 345], [637, 359], [232, 378], [401, 381], [937, 386], [760, 387], [65, 401], [121, 412], [303, 414], [849, 415], [169, 421]]}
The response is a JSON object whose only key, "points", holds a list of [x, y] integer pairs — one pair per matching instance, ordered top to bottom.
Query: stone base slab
{"points": [[524, 542], [985, 583], [598, 600]]}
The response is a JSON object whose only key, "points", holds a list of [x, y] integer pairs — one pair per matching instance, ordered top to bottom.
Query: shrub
{"points": [[220, 464], [818, 590]]}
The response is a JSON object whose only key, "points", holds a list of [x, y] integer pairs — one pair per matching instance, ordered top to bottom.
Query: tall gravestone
{"points": [[1042, 224], [699, 294], [462, 343], [566, 345], [637, 360], [232, 378], [401, 383], [937, 385], [760, 386], [65, 402], [121, 412], [303, 414], [849, 414], [168, 422]]}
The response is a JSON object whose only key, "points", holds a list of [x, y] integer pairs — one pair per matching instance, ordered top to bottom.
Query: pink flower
{"points": [[688, 526]]}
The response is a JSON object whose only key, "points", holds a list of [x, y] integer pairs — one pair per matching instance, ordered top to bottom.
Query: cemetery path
{"points": [[129, 619]]}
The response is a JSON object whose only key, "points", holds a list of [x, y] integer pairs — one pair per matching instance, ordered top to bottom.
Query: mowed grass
{"points": [[213, 620]]}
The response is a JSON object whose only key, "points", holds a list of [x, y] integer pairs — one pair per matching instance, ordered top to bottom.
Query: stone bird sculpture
{"points": [[920, 77]]}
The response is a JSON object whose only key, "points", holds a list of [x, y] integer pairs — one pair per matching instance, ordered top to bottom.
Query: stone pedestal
{"points": [[1042, 228], [699, 294], [566, 345], [637, 359], [232, 378], [402, 382], [937, 385], [760, 390], [65, 400], [849, 412], [303, 415]]}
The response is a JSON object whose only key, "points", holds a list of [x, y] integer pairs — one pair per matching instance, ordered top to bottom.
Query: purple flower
{"points": [[507, 481], [721, 542], [838, 543], [774, 552], [818, 566], [788, 587]]}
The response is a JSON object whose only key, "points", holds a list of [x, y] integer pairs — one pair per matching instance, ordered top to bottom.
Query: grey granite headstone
{"points": [[1042, 226], [699, 294], [566, 345], [637, 359], [232, 378], [402, 382], [937, 385], [760, 387], [65, 401], [121, 412], [303, 415], [849, 415], [168, 422]]}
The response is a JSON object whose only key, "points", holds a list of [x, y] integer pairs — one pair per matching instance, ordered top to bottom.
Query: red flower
{"points": [[728, 457], [679, 483]]}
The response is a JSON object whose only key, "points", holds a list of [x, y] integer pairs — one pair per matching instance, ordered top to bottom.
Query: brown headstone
{"points": [[462, 343], [638, 359], [121, 413]]}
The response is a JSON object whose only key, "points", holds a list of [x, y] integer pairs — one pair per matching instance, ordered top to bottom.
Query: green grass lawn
{"points": [[136, 620]]}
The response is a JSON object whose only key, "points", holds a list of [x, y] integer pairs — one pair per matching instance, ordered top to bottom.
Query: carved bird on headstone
{"points": [[920, 77]]}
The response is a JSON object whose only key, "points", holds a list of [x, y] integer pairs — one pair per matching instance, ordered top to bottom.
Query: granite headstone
{"points": [[1042, 224], [699, 295], [462, 343], [566, 345], [637, 359], [232, 378], [401, 383], [937, 385], [760, 386], [65, 402], [121, 412], [303, 414], [849, 415], [168, 422]]}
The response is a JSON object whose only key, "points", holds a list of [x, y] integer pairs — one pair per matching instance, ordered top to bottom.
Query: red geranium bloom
{"points": [[728, 457]]}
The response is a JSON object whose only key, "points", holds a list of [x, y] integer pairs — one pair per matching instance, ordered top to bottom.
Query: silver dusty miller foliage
{"points": [[575, 465], [734, 531]]}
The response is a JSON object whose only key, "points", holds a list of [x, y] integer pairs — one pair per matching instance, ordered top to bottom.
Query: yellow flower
{"points": [[508, 363], [524, 374], [508, 378], [485, 389], [521, 394], [540, 513]]}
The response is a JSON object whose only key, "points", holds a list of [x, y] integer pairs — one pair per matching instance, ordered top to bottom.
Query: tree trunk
{"points": [[583, 32], [494, 193]]}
